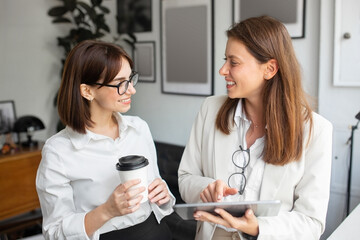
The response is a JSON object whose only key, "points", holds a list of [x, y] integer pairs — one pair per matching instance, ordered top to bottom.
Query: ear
{"points": [[271, 69], [86, 92]]}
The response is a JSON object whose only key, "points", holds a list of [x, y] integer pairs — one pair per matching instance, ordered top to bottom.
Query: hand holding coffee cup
{"points": [[134, 167], [125, 199]]}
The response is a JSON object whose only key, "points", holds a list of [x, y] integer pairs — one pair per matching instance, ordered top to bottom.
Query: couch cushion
{"points": [[169, 156]]}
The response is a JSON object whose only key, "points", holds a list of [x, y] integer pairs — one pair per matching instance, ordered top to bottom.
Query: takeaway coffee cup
{"points": [[133, 167]]}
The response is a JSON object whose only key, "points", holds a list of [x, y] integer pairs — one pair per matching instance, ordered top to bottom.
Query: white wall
{"points": [[29, 60], [30, 66], [339, 105], [170, 117]]}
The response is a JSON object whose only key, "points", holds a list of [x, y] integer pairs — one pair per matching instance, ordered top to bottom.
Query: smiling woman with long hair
{"points": [[260, 142]]}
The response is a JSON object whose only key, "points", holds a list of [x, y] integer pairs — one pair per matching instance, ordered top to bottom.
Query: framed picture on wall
{"points": [[290, 12], [134, 16], [187, 47], [144, 60], [7, 116]]}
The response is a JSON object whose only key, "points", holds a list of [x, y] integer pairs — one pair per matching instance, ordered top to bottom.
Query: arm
{"points": [[192, 180], [159, 192], [305, 218], [61, 219]]}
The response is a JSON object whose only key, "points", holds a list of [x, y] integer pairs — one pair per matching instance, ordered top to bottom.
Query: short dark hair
{"points": [[87, 62]]}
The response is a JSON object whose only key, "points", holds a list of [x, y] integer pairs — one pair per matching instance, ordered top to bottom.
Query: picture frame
{"points": [[290, 13], [134, 16], [144, 60], [187, 62], [7, 116]]}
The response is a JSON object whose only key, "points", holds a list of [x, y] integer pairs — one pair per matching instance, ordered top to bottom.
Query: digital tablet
{"points": [[237, 209]]}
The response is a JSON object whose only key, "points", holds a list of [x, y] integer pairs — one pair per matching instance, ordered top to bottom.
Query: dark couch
{"points": [[169, 157]]}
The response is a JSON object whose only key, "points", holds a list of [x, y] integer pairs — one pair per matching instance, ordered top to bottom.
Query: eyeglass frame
{"points": [[133, 75], [242, 186]]}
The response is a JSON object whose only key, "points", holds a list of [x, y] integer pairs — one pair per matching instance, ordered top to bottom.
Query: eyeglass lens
{"points": [[123, 86], [241, 159], [238, 181]]}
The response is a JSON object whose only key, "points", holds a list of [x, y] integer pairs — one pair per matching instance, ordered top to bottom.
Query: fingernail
{"points": [[219, 197], [217, 210]]}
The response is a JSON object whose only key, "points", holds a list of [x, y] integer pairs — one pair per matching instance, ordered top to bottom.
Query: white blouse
{"points": [[255, 170], [77, 173]]}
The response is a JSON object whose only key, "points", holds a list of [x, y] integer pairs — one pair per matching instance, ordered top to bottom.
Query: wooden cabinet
{"points": [[17, 182]]}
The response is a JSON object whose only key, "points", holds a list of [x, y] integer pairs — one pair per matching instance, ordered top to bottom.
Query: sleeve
{"points": [[191, 175], [165, 209], [307, 218], [60, 220]]}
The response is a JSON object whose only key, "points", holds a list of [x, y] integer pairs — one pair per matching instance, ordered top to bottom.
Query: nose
{"points": [[224, 70]]}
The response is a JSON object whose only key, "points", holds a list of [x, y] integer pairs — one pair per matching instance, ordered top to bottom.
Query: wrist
{"points": [[104, 212]]}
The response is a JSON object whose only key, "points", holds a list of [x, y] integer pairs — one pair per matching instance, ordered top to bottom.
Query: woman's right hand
{"points": [[215, 191], [124, 200]]}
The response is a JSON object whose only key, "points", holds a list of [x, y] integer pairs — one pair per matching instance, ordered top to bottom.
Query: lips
{"points": [[230, 84], [126, 101]]}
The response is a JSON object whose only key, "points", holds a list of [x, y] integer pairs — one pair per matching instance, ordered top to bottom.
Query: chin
{"points": [[232, 95], [124, 109]]}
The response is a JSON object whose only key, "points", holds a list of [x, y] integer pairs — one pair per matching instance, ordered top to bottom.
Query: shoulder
{"points": [[213, 103], [135, 122], [319, 122], [321, 127], [57, 139]]}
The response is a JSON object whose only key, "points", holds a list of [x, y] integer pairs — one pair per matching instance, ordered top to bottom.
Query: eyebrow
{"points": [[232, 56], [120, 79]]}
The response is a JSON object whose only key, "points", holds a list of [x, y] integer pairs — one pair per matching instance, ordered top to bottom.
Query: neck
{"points": [[254, 113], [104, 124]]}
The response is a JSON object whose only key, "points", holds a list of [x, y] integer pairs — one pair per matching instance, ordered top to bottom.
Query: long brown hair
{"points": [[87, 62], [285, 106]]}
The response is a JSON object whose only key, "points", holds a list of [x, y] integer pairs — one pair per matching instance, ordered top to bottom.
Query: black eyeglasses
{"points": [[123, 86], [241, 159]]}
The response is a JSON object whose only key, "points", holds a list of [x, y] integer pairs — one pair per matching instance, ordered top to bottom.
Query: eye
{"points": [[232, 62]]}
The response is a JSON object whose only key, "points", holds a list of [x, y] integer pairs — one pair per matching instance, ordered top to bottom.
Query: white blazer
{"points": [[302, 186]]}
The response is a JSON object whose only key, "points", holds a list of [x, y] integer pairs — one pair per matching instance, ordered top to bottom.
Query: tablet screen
{"points": [[237, 209]]}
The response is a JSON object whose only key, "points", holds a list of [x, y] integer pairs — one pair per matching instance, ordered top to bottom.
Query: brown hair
{"points": [[87, 62], [285, 106]]}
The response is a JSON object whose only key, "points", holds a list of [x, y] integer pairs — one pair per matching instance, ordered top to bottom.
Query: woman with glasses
{"points": [[260, 142], [79, 187]]}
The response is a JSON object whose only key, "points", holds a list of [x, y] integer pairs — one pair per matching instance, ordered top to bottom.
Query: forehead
{"points": [[234, 45], [237, 49], [125, 69]]}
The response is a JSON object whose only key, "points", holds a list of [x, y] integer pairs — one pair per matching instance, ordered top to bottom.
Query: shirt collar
{"points": [[240, 114], [80, 140]]}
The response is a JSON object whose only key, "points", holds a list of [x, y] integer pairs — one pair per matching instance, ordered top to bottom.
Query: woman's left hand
{"points": [[158, 192], [247, 223]]}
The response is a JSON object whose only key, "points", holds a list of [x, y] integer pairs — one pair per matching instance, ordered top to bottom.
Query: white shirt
{"points": [[255, 170], [77, 173]]}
